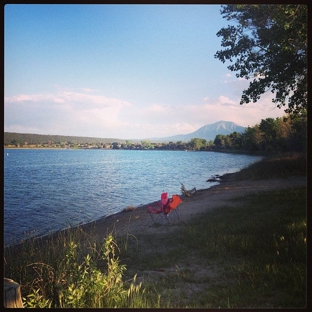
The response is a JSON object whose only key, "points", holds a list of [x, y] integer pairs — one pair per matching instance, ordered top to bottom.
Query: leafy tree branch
{"points": [[268, 44]]}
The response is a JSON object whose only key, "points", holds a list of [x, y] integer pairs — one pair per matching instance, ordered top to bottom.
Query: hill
{"points": [[207, 132], [10, 137]]}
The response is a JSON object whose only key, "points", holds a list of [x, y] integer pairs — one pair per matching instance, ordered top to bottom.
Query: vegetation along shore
{"points": [[270, 135], [240, 244]]}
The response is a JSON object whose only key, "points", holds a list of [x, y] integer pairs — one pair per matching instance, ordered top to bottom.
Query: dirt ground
{"points": [[139, 221]]}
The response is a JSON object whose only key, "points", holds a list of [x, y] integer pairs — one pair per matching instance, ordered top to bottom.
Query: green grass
{"points": [[278, 166], [266, 239], [259, 248], [72, 270]]}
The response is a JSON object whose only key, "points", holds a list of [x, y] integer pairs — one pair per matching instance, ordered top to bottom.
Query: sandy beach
{"points": [[139, 221]]}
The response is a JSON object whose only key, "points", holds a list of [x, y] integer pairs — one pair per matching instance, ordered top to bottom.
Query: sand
{"points": [[139, 221]]}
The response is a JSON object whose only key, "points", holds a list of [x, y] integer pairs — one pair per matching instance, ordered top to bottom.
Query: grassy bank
{"points": [[277, 166], [253, 255]]}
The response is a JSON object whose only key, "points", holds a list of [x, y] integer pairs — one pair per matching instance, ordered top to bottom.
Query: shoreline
{"points": [[141, 149], [117, 216], [104, 219], [110, 221], [139, 221]]}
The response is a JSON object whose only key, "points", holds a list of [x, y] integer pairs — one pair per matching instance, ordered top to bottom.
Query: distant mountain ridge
{"points": [[207, 132]]}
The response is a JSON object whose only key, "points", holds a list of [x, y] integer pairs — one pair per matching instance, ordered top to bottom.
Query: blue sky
{"points": [[119, 71]]}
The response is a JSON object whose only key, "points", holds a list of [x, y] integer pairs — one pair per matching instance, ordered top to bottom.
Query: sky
{"points": [[120, 71]]}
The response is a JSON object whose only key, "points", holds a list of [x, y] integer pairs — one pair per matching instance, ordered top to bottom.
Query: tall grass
{"points": [[278, 166], [263, 246], [72, 270]]}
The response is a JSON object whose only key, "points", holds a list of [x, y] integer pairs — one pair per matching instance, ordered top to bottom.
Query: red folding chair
{"points": [[172, 206], [163, 209]]}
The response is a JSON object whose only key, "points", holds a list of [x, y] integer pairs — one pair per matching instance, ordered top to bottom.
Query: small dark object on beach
{"points": [[129, 208]]}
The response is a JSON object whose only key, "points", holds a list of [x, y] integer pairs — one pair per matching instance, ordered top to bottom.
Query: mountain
{"points": [[207, 132]]}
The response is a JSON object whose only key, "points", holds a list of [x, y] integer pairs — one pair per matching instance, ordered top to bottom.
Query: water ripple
{"points": [[47, 190]]}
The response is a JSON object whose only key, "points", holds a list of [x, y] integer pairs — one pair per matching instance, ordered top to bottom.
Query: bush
{"points": [[81, 284]]}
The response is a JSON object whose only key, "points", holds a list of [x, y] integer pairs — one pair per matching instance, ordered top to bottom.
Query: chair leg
{"points": [[174, 211], [154, 218], [165, 218]]}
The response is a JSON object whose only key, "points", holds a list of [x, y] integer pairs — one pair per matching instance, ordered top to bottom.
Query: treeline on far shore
{"points": [[283, 134]]}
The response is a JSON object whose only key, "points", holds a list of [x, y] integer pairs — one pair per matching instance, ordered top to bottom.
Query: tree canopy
{"points": [[268, 44]]}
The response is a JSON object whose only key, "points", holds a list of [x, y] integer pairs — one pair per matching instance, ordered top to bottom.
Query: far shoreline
{"points": [[224, 151]]}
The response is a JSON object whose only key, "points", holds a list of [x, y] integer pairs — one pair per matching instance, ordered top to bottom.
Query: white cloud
{"points": [[83, 96], [225, 100], [81, 112], [87, 112], [186, 119]]}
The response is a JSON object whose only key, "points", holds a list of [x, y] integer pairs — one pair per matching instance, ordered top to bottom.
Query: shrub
{"points": [[81, 284]]}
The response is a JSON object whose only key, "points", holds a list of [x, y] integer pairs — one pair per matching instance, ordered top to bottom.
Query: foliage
{"points": [[269, 45], [271, 135], [197, 143], [146, 144], [283, 166], [79, 283]]}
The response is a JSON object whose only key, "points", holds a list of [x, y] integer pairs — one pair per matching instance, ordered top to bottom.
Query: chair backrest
{"points": [[164, 198], [176, 201], [173, 203]]}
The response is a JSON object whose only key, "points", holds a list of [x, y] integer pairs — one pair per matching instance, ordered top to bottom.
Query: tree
{"points": [[268, 45], [271, 133], [298, 135], [252, 139], [236, 140], [219, 141], [197, 143], [146, 144], [115, 145]]}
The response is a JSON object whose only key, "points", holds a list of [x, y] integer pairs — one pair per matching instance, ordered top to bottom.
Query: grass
{"points": [[277, 166], [258, 248], [250, 256], [71, 270]]}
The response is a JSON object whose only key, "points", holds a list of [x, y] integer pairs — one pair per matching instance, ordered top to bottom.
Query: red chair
{"points": [[163, 209]]}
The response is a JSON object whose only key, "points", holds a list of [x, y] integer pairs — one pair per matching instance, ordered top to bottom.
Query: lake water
{"points": [[49, 190]]}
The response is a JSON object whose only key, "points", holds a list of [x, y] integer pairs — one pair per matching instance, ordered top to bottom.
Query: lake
{"points": [[49, 190]]}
